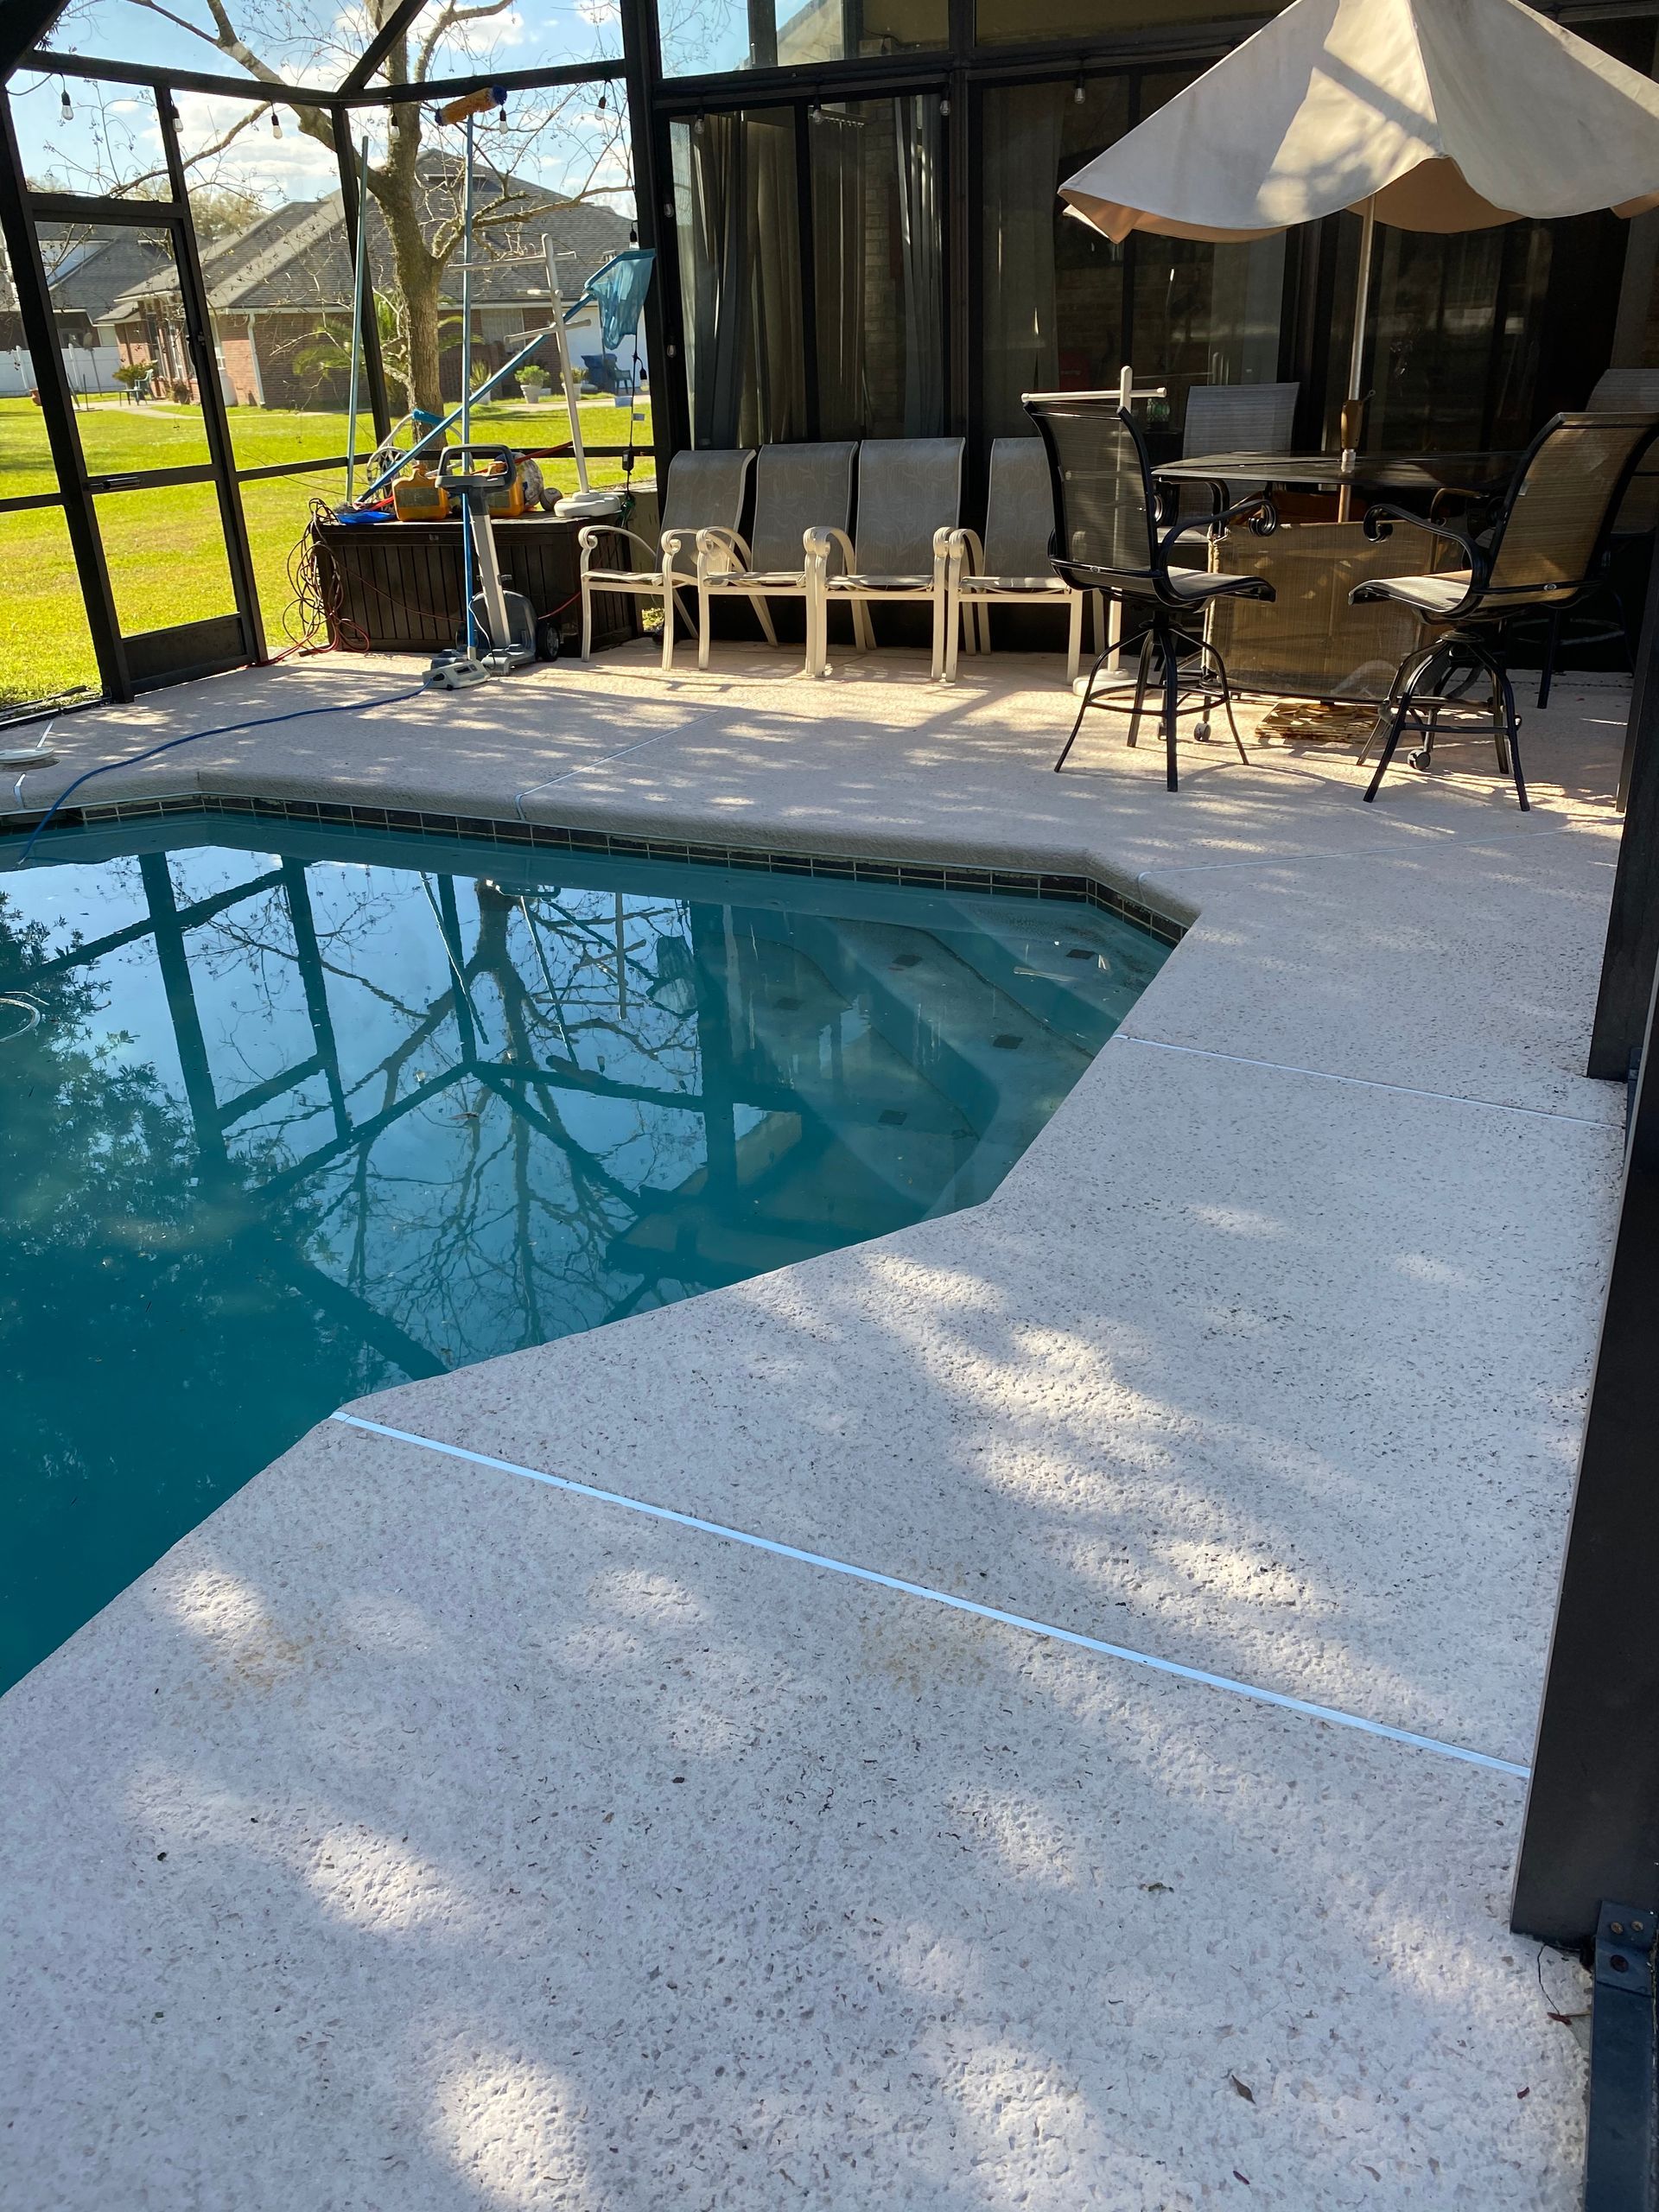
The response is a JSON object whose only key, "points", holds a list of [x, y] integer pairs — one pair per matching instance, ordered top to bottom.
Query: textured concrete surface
{"points": [[1269, 1358], [510, 1851]]}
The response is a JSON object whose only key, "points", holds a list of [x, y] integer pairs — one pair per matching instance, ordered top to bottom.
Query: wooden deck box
{"points": [[396, 586]]}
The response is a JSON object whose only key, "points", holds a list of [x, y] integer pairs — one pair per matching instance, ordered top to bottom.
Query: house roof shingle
{"points": [[296, 258]]}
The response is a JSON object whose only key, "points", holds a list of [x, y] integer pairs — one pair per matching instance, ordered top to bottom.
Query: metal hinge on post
{"points": [[1621, 2171]]}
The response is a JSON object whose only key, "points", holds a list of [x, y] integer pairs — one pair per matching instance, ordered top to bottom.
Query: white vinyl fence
{"points": [[89, 368]]}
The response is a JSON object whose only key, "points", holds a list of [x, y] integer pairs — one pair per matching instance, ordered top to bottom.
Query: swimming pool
{"points": [[289, 1114]]}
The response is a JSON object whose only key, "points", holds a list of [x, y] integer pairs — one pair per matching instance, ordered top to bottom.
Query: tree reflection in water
{"points": [[291, 1128]]}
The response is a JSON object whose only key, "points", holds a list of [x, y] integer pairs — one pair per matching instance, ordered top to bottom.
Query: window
{"points": [[1004, 22], [701, 37]]}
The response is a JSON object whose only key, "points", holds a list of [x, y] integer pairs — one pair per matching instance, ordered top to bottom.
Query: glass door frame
{"points": [[143, 659]]}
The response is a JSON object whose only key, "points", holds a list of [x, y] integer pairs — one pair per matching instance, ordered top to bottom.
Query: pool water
{"points": [[279, 1126]]}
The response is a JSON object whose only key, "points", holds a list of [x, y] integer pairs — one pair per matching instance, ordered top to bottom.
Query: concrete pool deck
{"points": [[418, 1834]]}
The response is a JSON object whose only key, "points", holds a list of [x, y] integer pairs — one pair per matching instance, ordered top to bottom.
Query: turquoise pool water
{"points": [[281, 1125]]}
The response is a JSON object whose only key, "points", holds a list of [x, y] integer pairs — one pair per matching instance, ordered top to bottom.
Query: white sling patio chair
{"points": [[703, 488], [799, 489], [909, 500], [1012, 561]]}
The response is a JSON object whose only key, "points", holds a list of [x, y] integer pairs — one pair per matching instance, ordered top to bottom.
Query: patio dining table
{"points": [[1370, 473], [1308, 642]]}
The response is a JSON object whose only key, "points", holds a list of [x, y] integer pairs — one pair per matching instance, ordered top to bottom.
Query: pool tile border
{"points": [[928, 875]]}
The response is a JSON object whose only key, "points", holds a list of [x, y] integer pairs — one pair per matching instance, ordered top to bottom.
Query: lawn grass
{"points": [[165, 549]]}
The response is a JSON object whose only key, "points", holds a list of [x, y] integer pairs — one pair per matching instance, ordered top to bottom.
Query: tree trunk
{"points": [[419, 272], [418, 277]]}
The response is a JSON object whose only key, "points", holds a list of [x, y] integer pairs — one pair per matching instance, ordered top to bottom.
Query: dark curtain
{"points": [[916, 134], [838, 250], [878, 256], [741, 257], [1019, 336]]}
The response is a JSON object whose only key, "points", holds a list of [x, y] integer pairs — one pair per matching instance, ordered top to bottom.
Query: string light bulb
{"points": [[1078, 95], [604, 99], [66, 106], [275, 124]]}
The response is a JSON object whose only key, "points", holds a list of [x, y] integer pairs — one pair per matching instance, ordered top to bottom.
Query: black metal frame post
{"points": [[397, 20], [26, 21], [266, 90], [653, 216], [959, 259], [369, 328], [199, 336], [57, 407], [1627, 965], [1592, 1828], [1620, 2137]]}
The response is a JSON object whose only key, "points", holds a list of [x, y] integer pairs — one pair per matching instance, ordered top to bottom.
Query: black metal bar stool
{"points": [[1107, 538], [1543, 554]]}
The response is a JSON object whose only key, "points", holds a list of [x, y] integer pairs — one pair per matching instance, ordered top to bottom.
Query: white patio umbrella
{"points": [[1431, 115]]}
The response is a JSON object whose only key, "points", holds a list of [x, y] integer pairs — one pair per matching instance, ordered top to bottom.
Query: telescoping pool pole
{"points": [[467, 109], [358, 276], [467, 386]]}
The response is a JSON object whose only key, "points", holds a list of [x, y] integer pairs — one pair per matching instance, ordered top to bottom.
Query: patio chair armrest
{"points": [[1258, 506], [1379, 523], [589, 538], [675, 542], [820, 542], [961, 546], [721, 552]]}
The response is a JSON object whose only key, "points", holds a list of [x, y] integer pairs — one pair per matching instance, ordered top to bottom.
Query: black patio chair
{"points": [[1107, 536], [1542, 553], [1602, 616]]}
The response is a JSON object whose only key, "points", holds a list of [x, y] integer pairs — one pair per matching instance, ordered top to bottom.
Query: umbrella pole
{"points": [[1353, 410]]}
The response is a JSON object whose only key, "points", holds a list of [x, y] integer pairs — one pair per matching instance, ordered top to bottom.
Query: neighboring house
{"points": [[282, 290]]}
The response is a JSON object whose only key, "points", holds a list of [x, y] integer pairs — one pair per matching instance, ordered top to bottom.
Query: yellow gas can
{"points": [[419, 497], [509, 501]]}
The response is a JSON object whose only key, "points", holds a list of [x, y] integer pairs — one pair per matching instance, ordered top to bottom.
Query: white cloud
{"points": [[292, 167]]}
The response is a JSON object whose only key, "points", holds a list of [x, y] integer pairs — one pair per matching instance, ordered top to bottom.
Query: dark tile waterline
{"points": [[929, 876]]}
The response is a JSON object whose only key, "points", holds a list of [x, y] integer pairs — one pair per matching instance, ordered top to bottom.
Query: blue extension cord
{"points": [[224, 729]]}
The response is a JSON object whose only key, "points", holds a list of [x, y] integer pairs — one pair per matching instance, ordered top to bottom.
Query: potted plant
{"points": [[532, 382]]}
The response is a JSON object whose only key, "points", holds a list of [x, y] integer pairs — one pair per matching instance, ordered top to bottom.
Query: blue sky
{"points": [[112, 134]]}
